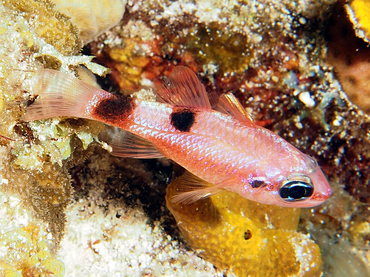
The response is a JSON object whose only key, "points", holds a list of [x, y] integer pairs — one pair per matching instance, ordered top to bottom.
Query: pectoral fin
{"points": [[125, 144], [191, 189]]}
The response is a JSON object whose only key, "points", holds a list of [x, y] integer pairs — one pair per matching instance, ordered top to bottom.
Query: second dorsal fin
{"points": [[183, 88], [230, 105]]}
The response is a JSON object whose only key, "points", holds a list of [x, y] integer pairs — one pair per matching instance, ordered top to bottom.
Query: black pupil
{"points": [[295, 190]]}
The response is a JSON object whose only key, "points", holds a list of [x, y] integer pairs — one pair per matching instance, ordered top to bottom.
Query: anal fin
{"points": [[128, 145]]}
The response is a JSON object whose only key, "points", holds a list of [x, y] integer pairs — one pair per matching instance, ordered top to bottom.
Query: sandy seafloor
{"points": [[68, 208]]}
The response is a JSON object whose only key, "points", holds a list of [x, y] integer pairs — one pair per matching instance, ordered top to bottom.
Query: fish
{"points": [[219, 145]]}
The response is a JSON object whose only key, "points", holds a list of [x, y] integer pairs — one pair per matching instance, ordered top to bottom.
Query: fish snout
{"points": [[322, 188], [323, 194]]}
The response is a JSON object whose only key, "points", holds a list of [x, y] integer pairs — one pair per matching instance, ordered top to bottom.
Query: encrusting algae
{"points": [[92, 17], [49, 24], [230, 52], [34, 182], [244, 237], [27, 254]]}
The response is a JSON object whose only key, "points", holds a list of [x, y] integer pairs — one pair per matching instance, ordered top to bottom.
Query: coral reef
{"points": [[272, 57], [350, 57], [286, 85], [348, 143], [35, 185], [237, 235]]}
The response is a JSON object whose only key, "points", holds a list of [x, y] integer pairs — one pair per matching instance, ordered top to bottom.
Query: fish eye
{"points": [[297, 188]]}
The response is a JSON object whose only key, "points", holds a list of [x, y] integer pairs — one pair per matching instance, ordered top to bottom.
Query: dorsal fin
{"points": [[183, 88], [230, 105]]}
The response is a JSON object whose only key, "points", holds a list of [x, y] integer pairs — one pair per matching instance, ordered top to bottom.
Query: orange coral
{"points": [[134, 59]]}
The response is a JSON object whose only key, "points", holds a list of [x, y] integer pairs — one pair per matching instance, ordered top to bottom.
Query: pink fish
{"points": [[221, 148]]}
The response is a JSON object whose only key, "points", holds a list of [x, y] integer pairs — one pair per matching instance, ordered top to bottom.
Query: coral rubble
{"points": [[107, 229]]}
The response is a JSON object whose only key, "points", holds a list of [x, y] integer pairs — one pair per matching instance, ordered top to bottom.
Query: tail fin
{"points": [[59, 94]]}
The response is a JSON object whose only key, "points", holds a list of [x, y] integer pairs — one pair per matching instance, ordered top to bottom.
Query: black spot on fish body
{"points": [[114, 109], [183, 119]]}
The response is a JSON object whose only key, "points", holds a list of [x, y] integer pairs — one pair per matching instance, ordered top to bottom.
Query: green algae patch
{"points": [[230, 51], [245, 237]]}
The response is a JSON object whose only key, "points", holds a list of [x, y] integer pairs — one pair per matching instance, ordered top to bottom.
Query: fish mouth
{"points": [[322, 188], [322, 196], [317, 198]]}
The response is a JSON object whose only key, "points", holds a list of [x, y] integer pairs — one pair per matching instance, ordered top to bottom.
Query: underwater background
{"points": [[69, 208]]}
